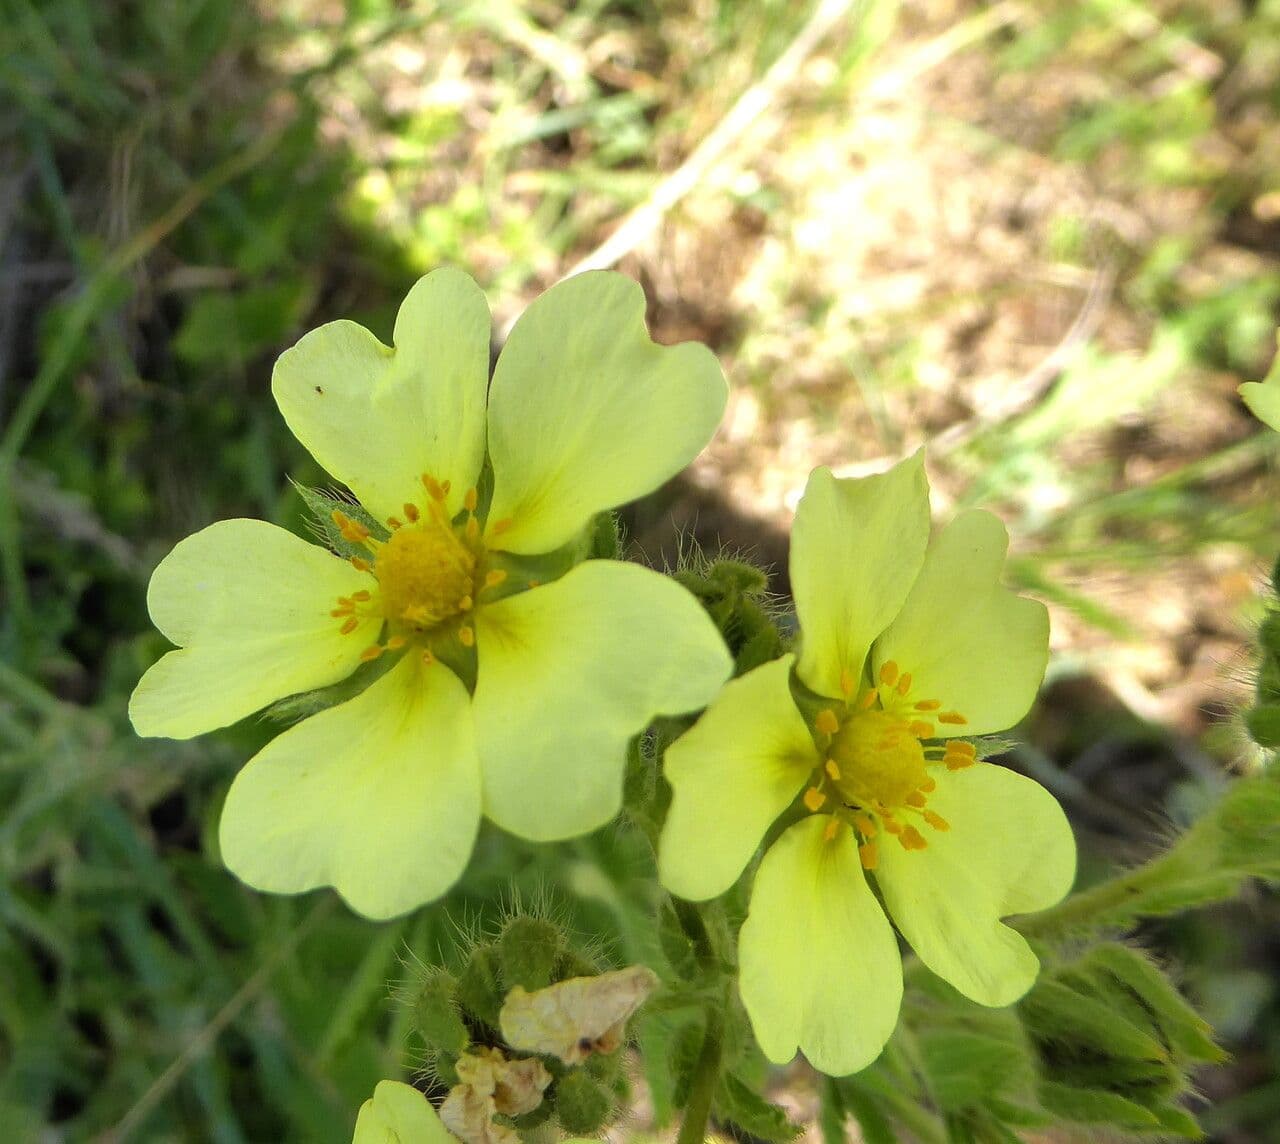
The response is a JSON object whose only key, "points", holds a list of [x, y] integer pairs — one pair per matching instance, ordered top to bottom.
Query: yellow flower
{"points": [[1263, 397], [903, 652], [518, 672]]}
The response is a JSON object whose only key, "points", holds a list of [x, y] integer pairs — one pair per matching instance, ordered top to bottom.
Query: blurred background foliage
{"points": [[1043, 236]]}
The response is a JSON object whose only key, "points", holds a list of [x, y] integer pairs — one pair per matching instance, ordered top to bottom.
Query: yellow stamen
{"points": [[435, 490], [470, 500], [411, 512], [394, 522], [501, 526], [472, 528], [360, 564], [494, 577], [362, 596], [466, 604], [344, 611], [350, 626], [467, 636], [395, 643], [371, 653], [888, 673], [846, 682], [904, 684], [869, 699], [928, 705], [953, 717], [826, 722], [922, 730], [832, 770], [928, 786], [814, 798], [916, 799], [936, 820], [865, 823], [891, 825], [830, 832], [869, 855]]}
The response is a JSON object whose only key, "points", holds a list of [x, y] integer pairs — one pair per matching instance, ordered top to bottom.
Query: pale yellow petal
{"points": [[587, 412], [377, 418], [856, 547], [251, 603], [968, 642], [568, 674], [732, 774], [378, 797], [1009, 850], [819, 964], [399, 1114]]}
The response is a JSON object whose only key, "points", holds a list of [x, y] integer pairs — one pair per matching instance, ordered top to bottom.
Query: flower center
{"points": [[426, 573], [879, 759], [874, 774]]}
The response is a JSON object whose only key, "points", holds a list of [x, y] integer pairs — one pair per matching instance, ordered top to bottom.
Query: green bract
{"points": [[905, 649], [520, 672]]}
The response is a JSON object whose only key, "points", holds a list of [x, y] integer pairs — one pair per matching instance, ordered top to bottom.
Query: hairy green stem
{"points": [[1109, 897], [706, 1078]]}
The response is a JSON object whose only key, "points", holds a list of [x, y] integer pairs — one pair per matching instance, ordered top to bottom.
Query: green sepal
{"points": [[322, 506], [606, 537], [734, 594], [1263, 723], [675, 943], [528, 950], [480, 989], [1055, 1012], [435, 1013], [1184, 1030], [685, 1048], [965, 1067], [740, 1104], [583, 1105], [1095, 1106], [1178, 1122]]}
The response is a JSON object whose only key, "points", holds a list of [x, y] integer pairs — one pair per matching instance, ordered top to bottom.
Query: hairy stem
{"points": [[706, 1078]]}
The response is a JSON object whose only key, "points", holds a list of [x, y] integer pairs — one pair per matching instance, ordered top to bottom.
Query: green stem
{"points": [[1116, 895], [706, 1078]]}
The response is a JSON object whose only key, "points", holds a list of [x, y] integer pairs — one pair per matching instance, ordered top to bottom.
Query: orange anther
{"points": [[435, 490], [470, 500], [411, 512], [394, 522], [501, 526], [473, 528], [360, 564], [494, 577], [363, 596], [465, 604], [338, 612], [350, 626], [467, 636], [395, 643], [372, 652], [888, 673], [846, 682], [904, 684], [868, 699], [928, 704], [953, 717], [826, 722], [922, 730], [962, 747], [957, 762], [832, 770], [929, 785], [814, 798], [916, 799], [936, 821], [865, 823], [833, 825], [892, 825], [912, 839], [869, 855]]}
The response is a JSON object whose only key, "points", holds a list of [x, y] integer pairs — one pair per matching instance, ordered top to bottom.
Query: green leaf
{"points": [[226, 328], [965, 1068]]}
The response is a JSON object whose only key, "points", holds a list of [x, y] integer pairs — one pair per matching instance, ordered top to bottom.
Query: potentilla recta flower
{"points": [[906, 649], [512, 672]]}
